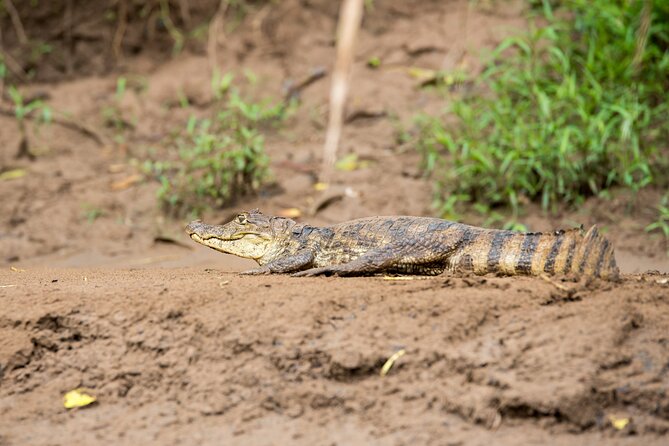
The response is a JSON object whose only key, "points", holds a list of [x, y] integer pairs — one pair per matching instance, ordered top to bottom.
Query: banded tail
{"points": [[536, 253]]}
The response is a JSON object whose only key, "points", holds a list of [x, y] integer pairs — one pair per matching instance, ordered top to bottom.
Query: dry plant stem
{"points": [[184, 10], [350, 18], [16, 22], [67, 26], [172, 30], [215, 34], [642, 34], [117, 41], [456, 56], [12, 65], [2, 79], [69, 124], [559, 286]]}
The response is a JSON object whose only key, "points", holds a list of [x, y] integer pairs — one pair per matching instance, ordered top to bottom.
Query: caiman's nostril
{"points": [[191, 228]]}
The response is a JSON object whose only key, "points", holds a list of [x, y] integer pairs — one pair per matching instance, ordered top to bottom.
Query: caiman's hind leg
{"points": [[376, 261], [285, 264]]}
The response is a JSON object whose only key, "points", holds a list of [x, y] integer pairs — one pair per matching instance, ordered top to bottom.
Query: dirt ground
{"points": [[98, 289]]}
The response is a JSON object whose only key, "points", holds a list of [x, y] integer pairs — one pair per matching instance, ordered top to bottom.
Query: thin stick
{"points": [[184, 10], [350, 18], [16, 22], [215, 30], [69, 40], [117, 41], [2, 78], [72, 125], [559, 286]]}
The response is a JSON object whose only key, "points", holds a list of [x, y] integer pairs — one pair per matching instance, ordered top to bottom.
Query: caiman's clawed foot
{"points": [[263, 270], [312, 272]]}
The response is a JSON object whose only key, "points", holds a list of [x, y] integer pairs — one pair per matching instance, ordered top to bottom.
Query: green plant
{"points": [[22, 110], [569, 110], [113, 115], [220, 158], [90, 213], [662, 222]]}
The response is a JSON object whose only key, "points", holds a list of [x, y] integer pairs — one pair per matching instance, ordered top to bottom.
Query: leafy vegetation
{"points": [[23, 108], [573, 108], [219, 158], [662, 222]]}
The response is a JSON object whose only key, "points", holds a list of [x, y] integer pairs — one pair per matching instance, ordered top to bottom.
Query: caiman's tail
{"points": [[536, 253]]}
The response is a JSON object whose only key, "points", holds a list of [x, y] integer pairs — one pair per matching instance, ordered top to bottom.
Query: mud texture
{"points": [[194, 356]]}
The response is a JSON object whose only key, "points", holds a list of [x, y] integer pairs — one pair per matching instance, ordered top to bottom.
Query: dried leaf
{"points": [[421, 73], [351, 162], [116, 168], [12, 174], [126, 182], [290, 213], [16, 270], [389, 363], [77, 398], [619, 423]]}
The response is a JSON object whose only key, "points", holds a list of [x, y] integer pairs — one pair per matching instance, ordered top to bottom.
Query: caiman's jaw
{"points": [[231, 238]]}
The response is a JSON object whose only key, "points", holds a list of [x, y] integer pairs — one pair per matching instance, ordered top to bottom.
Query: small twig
{"points": [[184, 9], [350, 19], [16, 22], [172, 30], [215, 31], [69, 40], [117, 41], [457, 54], [11, 64], [14, 66], [2, 78], [293, 90], [72, 125], [24, 144], [554, 283]]}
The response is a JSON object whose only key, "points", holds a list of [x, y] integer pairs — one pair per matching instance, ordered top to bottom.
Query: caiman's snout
{"points": [[194, 227]]}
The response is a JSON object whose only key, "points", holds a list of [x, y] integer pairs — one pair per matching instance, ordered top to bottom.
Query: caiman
{"points": [[405, 245]]}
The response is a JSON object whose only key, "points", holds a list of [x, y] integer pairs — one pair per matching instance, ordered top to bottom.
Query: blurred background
{"points": [[122, 120]]}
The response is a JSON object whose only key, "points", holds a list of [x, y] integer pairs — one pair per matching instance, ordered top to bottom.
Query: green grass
{"points": [[565, 111], [218, 159], [662, 222]]}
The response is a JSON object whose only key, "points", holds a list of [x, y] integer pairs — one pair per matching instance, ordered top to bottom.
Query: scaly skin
{"points": [[405, 245]]}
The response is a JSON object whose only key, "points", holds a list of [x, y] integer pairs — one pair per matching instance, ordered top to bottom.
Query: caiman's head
{"points": [[250, 234]]}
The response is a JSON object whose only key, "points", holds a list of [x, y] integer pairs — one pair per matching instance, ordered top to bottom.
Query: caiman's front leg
{"points": [[372, 262], [284, 264]]}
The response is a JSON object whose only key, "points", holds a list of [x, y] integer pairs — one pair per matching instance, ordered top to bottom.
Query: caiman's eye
{"points": [[241, 219]]}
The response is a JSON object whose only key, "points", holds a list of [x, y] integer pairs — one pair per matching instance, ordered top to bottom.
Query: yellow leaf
{"points": [[421, 73], [351, 162], [116, 168], [12, 174], [126, 182], [321, 186], [290, 213], [16, 270], [389, 363], [77, 398], [619, 423]]}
